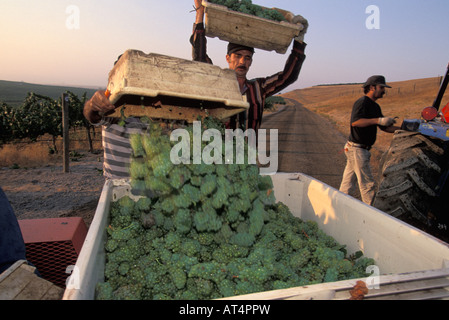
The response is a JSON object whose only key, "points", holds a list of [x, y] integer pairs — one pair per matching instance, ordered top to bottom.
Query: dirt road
{"points": [[307, 143]]}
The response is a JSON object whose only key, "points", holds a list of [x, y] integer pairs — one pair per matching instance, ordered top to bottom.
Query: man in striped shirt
{"points": [[240, 58], [115, 137]]}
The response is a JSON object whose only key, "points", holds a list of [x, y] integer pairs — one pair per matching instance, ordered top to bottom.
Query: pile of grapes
{"points": [[246, 6], [210, 231]]}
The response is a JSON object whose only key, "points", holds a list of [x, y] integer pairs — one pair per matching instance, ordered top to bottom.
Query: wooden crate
{"points": [[249, 30], [19, 282]]}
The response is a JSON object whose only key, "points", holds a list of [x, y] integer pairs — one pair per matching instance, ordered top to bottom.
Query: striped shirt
{"points": [[256, 90], [117, 147]]}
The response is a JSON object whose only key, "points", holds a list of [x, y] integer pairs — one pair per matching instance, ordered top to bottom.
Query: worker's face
{"points": [[240, 62], [379, 91]]}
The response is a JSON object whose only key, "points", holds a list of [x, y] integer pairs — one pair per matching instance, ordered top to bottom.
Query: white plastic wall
{"points": [[394, 245]]}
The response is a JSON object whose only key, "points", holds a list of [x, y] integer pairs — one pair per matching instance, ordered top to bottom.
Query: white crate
{"points": [[249, 30], [186, 88]]}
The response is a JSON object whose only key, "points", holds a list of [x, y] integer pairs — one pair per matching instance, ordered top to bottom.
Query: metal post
{"points": [[65, 131]]}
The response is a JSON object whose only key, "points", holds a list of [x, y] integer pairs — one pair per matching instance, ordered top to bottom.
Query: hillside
{"points": [[14, 93]]}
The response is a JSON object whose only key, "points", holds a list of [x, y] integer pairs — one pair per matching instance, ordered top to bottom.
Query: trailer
{"points": [[409, 262]]}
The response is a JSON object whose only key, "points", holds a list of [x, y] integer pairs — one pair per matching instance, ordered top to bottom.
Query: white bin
{"points": [[249, 30], [166, 87], [396, 247]]}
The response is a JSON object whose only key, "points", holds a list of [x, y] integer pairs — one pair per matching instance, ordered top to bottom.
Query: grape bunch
{"points": [[246, 6]]}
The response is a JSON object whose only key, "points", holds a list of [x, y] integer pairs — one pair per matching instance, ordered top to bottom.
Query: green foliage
{"points": [[246, 6], [271, 101], [39, 115], [6, 123], [212, 231]]}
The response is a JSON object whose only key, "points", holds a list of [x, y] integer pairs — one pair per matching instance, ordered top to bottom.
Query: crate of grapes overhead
{"points": [[249, 24], [169, 88]]}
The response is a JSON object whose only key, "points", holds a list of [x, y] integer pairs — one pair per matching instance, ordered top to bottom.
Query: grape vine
{"points": [[39, 115]]}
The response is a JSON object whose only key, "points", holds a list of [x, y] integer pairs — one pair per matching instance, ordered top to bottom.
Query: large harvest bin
{"points": [[249, 30], [166, 87], [402, 253]]}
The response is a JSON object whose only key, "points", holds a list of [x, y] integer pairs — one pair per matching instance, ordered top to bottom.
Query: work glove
{"points": [[301, 20], [386, 122]]}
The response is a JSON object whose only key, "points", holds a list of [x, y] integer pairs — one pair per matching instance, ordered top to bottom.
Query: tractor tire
{"points": [[410, 174]]}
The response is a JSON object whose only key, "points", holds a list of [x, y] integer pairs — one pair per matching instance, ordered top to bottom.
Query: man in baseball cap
{"points": [[239, 58], [366, 117]]}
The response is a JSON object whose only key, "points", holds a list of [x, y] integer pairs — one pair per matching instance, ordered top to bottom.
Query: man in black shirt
{"points": [[365, 118]]}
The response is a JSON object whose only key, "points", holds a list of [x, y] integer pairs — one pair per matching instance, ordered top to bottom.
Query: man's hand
{"points": [[198, 4], [298, 19], [97, 106], [386, 121]]}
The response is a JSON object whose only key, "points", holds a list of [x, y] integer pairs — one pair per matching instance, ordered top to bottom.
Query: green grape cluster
{"points": [[246, 6], [211, 231]]}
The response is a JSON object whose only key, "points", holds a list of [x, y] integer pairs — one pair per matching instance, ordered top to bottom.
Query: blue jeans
{"points": [[358, 173], [12, 246]]}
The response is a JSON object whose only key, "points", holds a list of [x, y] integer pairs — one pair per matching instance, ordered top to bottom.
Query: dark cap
{"points": [[234, 47], [376, 80]]}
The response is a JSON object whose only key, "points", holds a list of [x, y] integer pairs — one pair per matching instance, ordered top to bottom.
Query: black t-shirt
{"points": [[364, 108]]}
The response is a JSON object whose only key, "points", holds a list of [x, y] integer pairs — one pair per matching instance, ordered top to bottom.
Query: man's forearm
{"points": [[199, 15], [199, 44], [290, 74], [365, 122]]}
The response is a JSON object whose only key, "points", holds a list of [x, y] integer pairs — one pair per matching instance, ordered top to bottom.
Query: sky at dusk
{"points": [[76, 42]]}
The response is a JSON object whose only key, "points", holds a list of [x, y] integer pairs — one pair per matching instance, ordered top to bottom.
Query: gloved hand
{"points": [[301, 20], [386, 122]]}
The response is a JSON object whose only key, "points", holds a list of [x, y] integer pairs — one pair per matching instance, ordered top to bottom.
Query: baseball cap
{"points": [[234, 47], [376, 80]]}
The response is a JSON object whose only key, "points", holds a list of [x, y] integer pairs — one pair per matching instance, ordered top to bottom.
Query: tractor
{"points": [[414, 170]]}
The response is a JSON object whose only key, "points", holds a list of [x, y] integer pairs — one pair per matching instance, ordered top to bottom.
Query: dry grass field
{"points": [[405, 100], [38, 154]]}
